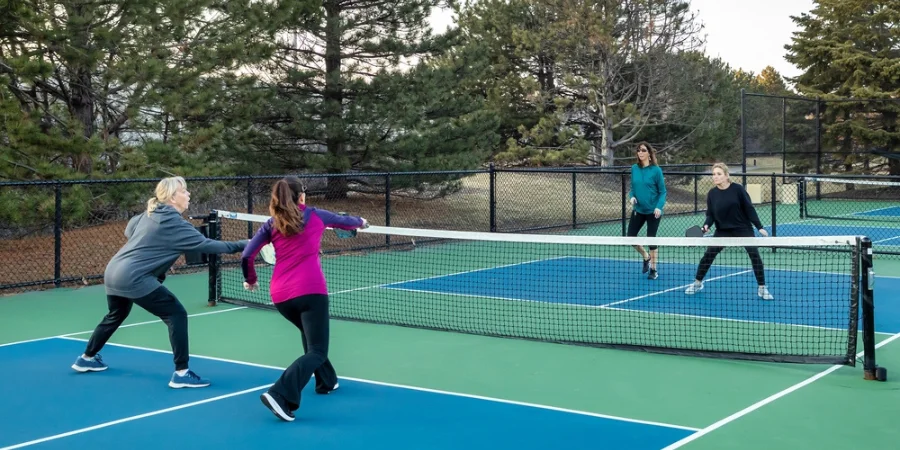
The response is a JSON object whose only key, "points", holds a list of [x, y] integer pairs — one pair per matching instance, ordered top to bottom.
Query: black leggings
{"points": [[637, 222], [712, 252], [161, 303], [309, 313]]}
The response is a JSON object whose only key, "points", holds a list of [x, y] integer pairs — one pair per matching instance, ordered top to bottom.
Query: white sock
{"points": [[87, 358], [181, 373]]}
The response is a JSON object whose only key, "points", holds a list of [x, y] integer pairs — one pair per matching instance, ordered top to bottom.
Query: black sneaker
{"points": [[646, 266], [653, 274], [323, 391], [278, 406]]}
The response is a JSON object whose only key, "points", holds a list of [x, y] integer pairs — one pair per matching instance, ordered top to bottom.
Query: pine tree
{"points": [[850, 49], [326, 73], [594, 73], [98, 78]]}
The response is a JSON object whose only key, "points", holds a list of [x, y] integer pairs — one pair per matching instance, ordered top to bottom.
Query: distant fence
{"points": [[806, 135], [63, 233]]}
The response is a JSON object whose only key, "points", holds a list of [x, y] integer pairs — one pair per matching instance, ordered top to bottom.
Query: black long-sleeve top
{"points": [[731, 209]]}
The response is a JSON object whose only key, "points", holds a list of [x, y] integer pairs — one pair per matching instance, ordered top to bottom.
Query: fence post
{"points": [[783, 136], [743, 140], [818, 148], [774, 193], [696, 195], [492, 200], [624, 200], [574, 202], [250, 206], [387, 207], [57, 236]]}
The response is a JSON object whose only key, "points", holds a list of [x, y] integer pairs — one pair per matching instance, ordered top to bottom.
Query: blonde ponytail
{"points": [[165, 191], [151, 205]]}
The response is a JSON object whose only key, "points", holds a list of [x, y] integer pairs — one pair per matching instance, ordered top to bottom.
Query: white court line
{"points": [[885, 240], [676, 288], [208, 313], [27, 341], [419, 389], [767, 400], [132, 418]]}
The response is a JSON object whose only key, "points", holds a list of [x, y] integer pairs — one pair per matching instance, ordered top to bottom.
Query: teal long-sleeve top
{"points": [[648, 186]]}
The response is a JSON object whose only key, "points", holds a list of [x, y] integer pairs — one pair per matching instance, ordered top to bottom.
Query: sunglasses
{"points": [[642, 150]]}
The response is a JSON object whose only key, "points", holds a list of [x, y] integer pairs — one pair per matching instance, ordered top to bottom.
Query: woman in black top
{"points": [[728, 206]]}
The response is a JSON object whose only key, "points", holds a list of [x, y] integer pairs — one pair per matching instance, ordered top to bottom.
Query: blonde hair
{"points": [[721, 166], [165, 190]]}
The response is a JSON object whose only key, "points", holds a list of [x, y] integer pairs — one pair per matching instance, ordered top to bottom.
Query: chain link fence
{"points": [[57, 234]]}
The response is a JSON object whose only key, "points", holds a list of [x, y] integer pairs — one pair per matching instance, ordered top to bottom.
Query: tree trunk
{"points": [[81, 99], [332, 110]]}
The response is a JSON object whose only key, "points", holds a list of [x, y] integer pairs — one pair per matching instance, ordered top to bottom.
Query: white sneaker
{"points": [[694, 288], [764, 293]]}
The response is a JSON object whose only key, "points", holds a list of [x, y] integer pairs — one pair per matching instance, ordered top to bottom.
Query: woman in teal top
{"points": [[647, 197]]}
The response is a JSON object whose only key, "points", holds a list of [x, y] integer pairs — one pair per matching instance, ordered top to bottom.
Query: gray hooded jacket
{"points": [[155, 242]]}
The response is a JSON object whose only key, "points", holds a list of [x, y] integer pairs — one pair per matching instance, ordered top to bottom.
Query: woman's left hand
{"points": [[657, 213], [763, 232]]}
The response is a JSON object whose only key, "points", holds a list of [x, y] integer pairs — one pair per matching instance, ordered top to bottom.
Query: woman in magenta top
{"points": [[298, 288]]}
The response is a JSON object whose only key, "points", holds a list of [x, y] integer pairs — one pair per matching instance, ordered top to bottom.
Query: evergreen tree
{"points": [[850, 49], [331, 74], [86, 82]]}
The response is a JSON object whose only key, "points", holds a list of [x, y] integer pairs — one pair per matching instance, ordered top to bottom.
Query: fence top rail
{"points": [[820, 99], [613, 170], [241, 177]]}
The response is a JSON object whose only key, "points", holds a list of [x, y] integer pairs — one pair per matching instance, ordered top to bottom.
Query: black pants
{"points": [[637, 222], [712, 252], [161, 303], [309, 313]]}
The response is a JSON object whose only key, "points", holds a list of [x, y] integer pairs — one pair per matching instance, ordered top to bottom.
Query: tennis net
{"points": [[590, 290]]}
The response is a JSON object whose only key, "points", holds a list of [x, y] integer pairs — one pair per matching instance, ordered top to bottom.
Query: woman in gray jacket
{"points": [[156, 238]]}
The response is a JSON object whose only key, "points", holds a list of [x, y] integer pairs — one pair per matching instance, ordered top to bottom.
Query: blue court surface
{"points": [[878, 235], [812, 299], [48, 405]]}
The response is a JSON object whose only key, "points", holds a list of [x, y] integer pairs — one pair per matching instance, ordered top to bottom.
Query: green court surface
{"points": [[727, 403]]}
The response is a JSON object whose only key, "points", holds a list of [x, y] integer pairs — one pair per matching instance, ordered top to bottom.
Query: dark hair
{"points": [[650, 150], [284, 205]]}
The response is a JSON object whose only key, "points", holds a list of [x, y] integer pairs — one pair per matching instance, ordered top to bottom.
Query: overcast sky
{"points": [[746, 35]]}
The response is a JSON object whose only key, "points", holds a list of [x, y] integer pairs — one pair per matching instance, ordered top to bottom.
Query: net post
{"points": [[213, 260], [868, 309]]}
